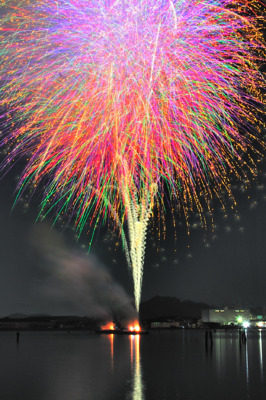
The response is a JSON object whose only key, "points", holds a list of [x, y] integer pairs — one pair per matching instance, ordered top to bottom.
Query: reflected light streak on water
{"points": [[111, 337], [261, 356], [218, 358], [247, 367], [137, 390]]}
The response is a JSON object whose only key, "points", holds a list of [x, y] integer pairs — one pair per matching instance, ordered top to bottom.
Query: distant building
{"points": [[226, 316], [258, 321], [168, 323], [165, 324]]}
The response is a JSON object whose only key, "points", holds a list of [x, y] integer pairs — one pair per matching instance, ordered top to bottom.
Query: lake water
{"points": [[161, 365]]}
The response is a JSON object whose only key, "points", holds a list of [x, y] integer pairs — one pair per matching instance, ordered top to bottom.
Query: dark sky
{"points": [[44, 269]]}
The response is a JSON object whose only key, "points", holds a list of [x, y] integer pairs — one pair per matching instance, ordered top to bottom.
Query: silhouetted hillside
{"points": [[171, 307], [17, 316]]}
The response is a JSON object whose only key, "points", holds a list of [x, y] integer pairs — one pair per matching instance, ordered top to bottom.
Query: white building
{"points": [[226, 316]]}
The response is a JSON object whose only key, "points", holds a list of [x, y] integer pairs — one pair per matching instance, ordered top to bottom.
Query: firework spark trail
{"points": [[110, 99]]}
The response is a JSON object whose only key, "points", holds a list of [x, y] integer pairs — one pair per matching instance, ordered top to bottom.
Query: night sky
{"points": [[45, 269]]}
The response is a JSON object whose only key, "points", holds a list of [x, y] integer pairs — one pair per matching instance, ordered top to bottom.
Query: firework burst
{"points": [[113, 101]]}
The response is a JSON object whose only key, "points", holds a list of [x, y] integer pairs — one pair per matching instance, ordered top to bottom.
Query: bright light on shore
{"points": [[109, 326], [134, 328]]}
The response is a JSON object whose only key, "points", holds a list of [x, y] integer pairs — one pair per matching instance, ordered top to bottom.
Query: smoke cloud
{"points": [[77, 283]]}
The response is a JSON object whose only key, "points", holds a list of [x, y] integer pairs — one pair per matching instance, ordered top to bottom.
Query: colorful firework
{"points": [[113, 102]]}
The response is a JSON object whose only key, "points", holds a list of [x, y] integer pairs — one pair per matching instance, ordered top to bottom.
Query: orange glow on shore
{"points": [[110, 327], [134, 327]]}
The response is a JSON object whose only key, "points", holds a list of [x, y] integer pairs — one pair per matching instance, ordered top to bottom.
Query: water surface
{"points": [[161, 365]]}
